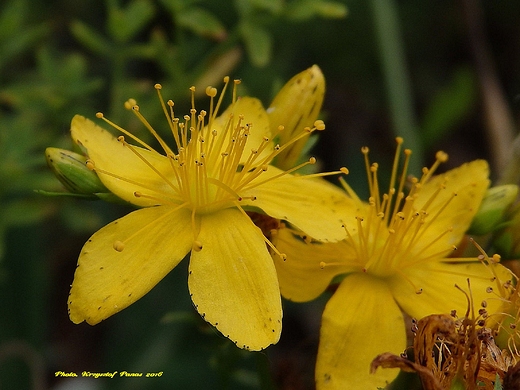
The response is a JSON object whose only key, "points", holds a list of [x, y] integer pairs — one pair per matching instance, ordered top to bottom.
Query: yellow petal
{"points": [[296, 106], [253, 114], [110, 155], [469, 182], [312, 205], [309, 267], [107, 280], [232, 281], [439, 295], [360, 321]]}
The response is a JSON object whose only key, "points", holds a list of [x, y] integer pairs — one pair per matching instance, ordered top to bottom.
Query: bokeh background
{"points": [[442, 74]]}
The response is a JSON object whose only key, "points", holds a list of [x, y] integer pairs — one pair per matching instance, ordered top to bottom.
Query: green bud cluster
{"points": [[493, 209]]}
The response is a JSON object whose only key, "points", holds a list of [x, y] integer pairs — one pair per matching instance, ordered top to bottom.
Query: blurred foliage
{"points": [[61, 58]]}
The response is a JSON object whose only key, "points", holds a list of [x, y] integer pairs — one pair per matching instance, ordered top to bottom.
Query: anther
{"points": [[157, 86], [211, 91], [99, 115], [319, 125], [441, 156], [312, 160], [90, 165], [344, 170], [119, 246]]}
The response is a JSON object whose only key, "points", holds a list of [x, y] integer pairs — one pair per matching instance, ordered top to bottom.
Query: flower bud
{"points": [[296, 107], [72, 172], [493, 208], [507, 240]]}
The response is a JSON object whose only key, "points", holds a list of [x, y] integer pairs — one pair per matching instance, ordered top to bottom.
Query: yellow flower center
{"points": [[213, 165], [210, 166], [392, 231]]}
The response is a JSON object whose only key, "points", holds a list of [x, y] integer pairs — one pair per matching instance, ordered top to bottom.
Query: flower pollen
{"points": [[392, 230]]}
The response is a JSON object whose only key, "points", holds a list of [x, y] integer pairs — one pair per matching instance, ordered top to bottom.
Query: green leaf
{"points": [[273, 6], [307, 9], [331, 9], [12, 17], [201, 22], [124, 24], [15, 35], [90, 38], [258, 42], [18, 43], [449, 106], [65, 195], [24, 212], [498, 383]]}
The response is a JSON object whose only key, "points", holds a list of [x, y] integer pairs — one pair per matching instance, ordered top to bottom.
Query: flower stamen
{"points": [[125, 132], [142, 158]]}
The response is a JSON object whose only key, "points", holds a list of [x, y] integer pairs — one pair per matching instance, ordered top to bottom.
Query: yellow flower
{"points": [[194, 198], [395, 258]]}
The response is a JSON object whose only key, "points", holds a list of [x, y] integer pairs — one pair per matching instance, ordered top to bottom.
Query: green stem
{"points": [[396, 78]]}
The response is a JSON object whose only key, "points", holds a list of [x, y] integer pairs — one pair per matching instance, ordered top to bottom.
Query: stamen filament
{"points": [[119, 128], [166, 148], [142, 158], [90, 165], [395, 165]]}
